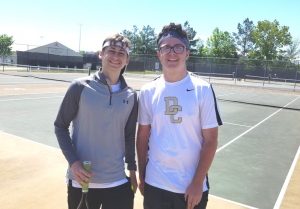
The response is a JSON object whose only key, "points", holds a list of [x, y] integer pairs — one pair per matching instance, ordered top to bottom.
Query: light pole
{"points": [[79, 36], [41, 40]]}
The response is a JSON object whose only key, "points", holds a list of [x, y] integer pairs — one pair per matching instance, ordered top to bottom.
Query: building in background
{"points": [[54, 55]]}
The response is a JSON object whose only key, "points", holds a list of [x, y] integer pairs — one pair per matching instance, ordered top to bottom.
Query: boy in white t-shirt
{"points": [[178, 130]]}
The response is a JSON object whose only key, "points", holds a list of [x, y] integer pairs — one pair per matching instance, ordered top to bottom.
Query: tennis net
{"points": [[228, 89], [247, 95]]}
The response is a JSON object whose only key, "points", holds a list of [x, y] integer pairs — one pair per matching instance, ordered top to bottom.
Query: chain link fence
{"points": [[242, 68]]}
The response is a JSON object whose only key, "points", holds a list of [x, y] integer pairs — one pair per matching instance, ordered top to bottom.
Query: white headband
{"points": [[116, 43]]}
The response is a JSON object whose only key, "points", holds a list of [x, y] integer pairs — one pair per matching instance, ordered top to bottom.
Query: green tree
{"points": [[191, 33], [133, 37], [243, 38], [270, 38], [142, 41], [147, 41], [221, 44], [5, 46], [202, 50], [293, 50]]}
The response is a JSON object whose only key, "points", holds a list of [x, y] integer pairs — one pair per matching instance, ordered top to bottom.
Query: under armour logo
{"points": [[172, 108]]}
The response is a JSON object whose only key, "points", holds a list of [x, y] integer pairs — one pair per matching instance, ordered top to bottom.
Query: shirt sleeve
{"points": [[209, 111], [67, 112], [144, 116], [130, 133]]}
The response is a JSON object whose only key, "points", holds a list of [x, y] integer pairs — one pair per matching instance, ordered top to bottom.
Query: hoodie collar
{"points": [[101, 78]]}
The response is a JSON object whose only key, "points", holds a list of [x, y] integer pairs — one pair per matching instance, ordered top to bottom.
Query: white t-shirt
{"points": [[177, 113]]}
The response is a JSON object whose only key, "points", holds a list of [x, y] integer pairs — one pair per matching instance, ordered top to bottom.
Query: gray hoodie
{"points": [[103, 127]]}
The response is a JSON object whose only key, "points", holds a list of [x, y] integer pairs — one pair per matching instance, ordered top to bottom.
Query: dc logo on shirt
{"points": [[172, 108]]}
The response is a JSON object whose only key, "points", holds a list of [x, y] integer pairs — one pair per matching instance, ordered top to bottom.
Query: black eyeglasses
{"points": [[177, 49]]}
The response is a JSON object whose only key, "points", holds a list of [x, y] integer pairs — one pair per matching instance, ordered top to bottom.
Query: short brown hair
{"points": [[118, 38]]}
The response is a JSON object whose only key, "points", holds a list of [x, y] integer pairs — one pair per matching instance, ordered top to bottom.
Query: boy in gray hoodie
{"points": [[102, 111]]}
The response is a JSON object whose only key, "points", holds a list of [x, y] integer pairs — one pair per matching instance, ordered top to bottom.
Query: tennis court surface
{"points": [[256, 165]]}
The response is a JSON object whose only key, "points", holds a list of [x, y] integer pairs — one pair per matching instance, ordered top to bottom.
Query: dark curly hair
{"points": [[172, 27]]}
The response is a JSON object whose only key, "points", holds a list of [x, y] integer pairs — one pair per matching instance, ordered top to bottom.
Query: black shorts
{"points": [[119, 197], [156, 198]]}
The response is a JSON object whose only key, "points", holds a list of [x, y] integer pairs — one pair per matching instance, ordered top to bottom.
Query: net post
{"points": [[209, 71], [265, 71], [235, 73], [233, 77], [296, 78]]}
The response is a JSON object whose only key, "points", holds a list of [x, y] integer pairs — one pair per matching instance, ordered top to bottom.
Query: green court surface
{"points": [[258, 142]]}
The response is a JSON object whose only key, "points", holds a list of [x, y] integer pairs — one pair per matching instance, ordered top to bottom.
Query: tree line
{"points": [[264, 41]]}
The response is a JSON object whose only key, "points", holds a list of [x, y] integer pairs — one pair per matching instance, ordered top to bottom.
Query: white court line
{"points": [[138, 79], [17, 83], [31, 93], [225, 94], [28, 98], [235, 124], [253, 127], [30, 141], [287, 180], [233, 202]]}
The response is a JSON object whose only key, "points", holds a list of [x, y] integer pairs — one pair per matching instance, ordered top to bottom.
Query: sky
{"points": [[84, 24]]}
